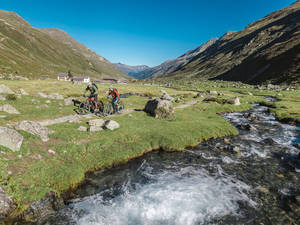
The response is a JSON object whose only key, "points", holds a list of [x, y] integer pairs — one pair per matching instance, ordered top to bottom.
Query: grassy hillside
{"points": [[267, 50], [33, 53]]}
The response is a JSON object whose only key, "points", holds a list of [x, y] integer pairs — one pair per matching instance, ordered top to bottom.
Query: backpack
{"points": [[95, 86], [116, 93]]}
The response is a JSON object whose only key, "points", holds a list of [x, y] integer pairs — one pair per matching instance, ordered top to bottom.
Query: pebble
{"points": [[82, 128], [227, 141], [51, 151], [263, 190]]}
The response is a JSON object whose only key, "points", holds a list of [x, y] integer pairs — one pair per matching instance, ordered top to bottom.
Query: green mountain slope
{"points": [[265, 51], [36, 53]]}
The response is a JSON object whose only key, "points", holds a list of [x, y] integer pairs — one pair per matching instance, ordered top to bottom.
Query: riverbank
{"points": [[33, 172]]}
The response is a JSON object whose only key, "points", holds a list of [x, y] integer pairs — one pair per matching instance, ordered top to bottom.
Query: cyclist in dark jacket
{"points": [[93, 89]]}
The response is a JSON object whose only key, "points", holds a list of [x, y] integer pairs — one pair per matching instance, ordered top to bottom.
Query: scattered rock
{"points": [[5, 90], [22, 91], [212, 92], [249, 93], [42, 95], [55, 96], [166, 97], [2, 98], [210, 99], [48, 101], [68, 101], [234, 101], [43, 106], [159, 108], [9, 109], [250, 116], [75, 120], [97, 122], [111, 125], [246, 127], [82, 128], [95, 128], [35, 129], [10, 139], [227, 140], [269, 141], [236, 150], [51, 151], [263, 190], [7, 204], [43, 208]]}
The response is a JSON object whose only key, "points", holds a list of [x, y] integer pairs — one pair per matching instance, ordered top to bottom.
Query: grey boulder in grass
{"points": [[5, 90], [159, 108], [9, 109], [111, 125], [35, 129], [10, 139]]}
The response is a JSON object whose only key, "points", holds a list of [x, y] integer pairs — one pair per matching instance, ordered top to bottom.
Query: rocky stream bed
{"points": [[252, 178]]}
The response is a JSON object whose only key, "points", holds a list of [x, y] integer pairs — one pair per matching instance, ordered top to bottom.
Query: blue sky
{"points": [[147, 32]]}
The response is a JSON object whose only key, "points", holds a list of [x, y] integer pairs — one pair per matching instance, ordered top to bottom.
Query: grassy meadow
{"points": [[27, 175]]}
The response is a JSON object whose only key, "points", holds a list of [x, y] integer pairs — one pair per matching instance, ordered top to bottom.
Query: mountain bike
{"points": [[90, 106]]}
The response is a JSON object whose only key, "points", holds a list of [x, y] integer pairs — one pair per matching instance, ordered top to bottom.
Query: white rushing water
{"points": [[182, 192], [187, 196]]}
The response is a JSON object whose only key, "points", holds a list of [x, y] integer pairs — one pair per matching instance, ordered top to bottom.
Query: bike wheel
{"points": [[120, 106], [83, 108], [99, 108], [107, 110]]}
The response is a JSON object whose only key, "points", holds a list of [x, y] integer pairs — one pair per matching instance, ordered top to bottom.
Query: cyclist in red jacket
{"points": [[115, 97]]}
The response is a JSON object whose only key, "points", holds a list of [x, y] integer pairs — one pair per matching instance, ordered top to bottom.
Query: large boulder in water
{"points": [[159, 108], [35, 129], [10, 139]]}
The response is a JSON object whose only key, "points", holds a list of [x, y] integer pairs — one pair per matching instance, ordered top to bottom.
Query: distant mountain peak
{"points": [[130, 70]]}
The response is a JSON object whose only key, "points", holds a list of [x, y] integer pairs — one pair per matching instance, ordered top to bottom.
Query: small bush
{"points": [[149, 94], [74, 95], [185, 95], [11, 97]]}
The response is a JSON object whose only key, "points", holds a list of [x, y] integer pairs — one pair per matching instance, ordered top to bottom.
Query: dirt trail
{"points": [[186, 105], [64, 119]]}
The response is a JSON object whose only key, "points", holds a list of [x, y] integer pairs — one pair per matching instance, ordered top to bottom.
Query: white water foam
{"points": [[188, 196]]}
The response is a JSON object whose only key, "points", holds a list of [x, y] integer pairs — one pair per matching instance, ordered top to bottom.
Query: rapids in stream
{"points": [[251, 178]]}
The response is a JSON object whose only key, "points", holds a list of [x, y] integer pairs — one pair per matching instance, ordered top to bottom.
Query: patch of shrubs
{"points": [[149, 94], [11, 97]]}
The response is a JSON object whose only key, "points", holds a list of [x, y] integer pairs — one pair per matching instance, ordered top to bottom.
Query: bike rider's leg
{"points": [[96, 102], [113, 103]]}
